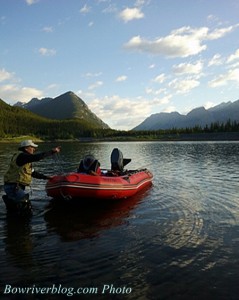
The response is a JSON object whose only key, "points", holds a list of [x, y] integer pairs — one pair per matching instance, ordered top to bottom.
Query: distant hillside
{"points": [[65, 106], [197, 117], [17, 121]]}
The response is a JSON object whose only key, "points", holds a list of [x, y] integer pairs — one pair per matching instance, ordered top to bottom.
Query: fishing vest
{"points": [[18, 174]]}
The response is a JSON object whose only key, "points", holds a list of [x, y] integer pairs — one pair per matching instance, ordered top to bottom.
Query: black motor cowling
{"points": [[117, 161], [89, 163]]}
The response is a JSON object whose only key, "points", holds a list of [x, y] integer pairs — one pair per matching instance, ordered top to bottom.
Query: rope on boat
{"points": [[65, 197]]}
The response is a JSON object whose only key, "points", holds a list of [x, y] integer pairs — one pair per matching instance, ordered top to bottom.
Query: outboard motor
{"points": [[117, 160], [89, 163]]}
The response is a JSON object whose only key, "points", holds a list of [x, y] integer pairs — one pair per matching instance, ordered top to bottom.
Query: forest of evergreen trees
{"points": [[17, 122]]}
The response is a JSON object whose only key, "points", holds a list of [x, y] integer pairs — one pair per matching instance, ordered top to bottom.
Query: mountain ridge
{"points": [[64, 106], [196, 117], [17, 121]]}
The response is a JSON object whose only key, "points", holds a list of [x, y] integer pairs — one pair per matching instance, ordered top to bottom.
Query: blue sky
{"points": [[125, 59]]}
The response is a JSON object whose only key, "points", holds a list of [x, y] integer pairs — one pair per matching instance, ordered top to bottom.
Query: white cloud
{"points": [[30, 2], [139, 2], [111, 8], [85, 9], [129, 14], [212, 18], [47, 29], [220, 32], [182, 42], [170, 46], [47, 52], [233, 57], [215, 61], [234, 65], [152, 66], [187, 68], [89, 74], [5, 75], [121, 78], [160, 78], [223, 79], [95, 85], [52, 86], [183, 86], [11, 90], [151, 91], [12, 93], [85, 94], [161, 100], [209, 104], [169, 109], [125, 113]]}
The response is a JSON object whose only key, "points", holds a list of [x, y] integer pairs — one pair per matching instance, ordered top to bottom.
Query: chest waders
{"points": [[16, 178]]}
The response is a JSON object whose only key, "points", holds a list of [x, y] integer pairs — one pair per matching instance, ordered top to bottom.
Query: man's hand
{"points": [[56, 149]]}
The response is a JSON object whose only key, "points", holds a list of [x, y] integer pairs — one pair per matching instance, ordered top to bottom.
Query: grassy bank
{"points": [[213, 136], [18, 139]]}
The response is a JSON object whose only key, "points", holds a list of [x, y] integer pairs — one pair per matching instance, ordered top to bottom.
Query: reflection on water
{"points": [[89, 218], [176, 240], [18, 241]]}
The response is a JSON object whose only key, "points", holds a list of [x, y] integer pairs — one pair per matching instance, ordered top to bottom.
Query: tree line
{"points": [[15, 121], [215, 127]]}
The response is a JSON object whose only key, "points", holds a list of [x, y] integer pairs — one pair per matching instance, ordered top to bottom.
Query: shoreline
{"points": [[216, 136]]}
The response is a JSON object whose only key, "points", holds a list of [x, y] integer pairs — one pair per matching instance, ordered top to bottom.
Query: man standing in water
{"points": [[20, 173]]}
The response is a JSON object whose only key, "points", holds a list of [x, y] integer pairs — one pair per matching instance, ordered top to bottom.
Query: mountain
{"points": [[32, 103], [65, 106], [196, 117], [160, 120], [17, 121]]}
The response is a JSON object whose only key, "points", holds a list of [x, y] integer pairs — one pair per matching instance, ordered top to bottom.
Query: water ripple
{"points": [[178, 239]]}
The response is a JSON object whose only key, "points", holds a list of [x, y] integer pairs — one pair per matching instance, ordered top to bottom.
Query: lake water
{"points": [[179, 239]]}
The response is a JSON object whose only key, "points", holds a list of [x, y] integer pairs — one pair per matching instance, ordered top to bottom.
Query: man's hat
{"points": [[27, 143]]}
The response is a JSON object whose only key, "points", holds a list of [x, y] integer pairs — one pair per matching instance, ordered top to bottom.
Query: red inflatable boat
{"points": [[104, 186]]}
